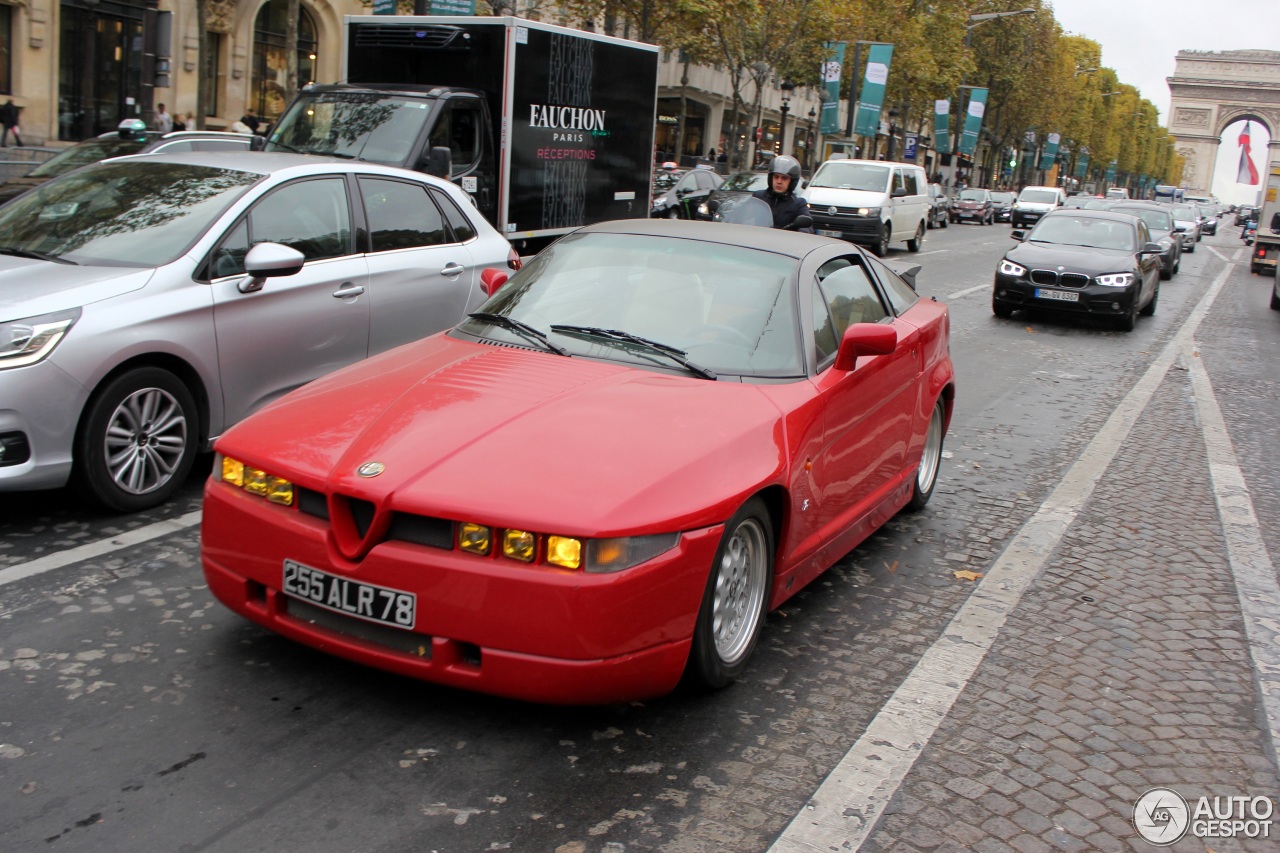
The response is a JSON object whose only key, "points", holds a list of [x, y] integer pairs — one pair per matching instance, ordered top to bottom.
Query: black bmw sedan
{"points": [[1083, 262]]}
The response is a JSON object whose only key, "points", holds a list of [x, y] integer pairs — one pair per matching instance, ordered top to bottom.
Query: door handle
{"points": [[452, 268], [348, 289]]}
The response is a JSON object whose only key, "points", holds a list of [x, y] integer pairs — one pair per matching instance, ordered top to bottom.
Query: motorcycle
{"points": [[1250, 229]]}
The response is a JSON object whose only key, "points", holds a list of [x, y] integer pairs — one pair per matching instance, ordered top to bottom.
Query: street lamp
{"points": [[975, 20], [1080, 71], [787, 88], [808, 148]]}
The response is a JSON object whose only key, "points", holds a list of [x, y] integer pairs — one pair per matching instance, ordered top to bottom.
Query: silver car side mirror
{"points": [[269, 260]]}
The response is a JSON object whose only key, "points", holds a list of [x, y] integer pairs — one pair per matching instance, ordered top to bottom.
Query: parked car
{"points": [[132, 138], [734, 186], [689, 191], [871, 202], [1003, 202], [1035, 202], [974, 205], [939, 206], [1189, 218], [1163, 231], [1083, 262], [152, 301], [753, 462]]}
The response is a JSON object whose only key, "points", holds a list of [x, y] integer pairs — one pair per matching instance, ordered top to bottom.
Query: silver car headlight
{"points": [[1008, 267], [1117, 279], [27, 341]]}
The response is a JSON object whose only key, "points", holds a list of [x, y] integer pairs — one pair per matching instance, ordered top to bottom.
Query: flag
{"points": [[1248, 172]]}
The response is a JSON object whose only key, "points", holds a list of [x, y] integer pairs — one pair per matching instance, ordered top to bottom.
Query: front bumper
{"points": [[1026, 217], [855, 229], [1091, 299], [41, 403], [487, 624]]}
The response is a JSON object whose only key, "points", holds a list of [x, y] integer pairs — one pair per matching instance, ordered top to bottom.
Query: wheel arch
{"points": [[179, 367]]}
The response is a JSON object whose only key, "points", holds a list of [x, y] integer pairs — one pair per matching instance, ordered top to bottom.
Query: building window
{"points": [[6, 49], [212, 74], [270, 75]]}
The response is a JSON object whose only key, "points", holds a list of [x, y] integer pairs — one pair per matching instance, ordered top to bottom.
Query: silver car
{"points": [[147, 303]]}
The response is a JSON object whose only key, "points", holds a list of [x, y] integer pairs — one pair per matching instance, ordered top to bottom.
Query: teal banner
{"points": [[384, 7], [453, 7], [831, 72], [871, 99], [973, 121], [942, 126], [1050, 151], [1082, 165], [1111, 172]]}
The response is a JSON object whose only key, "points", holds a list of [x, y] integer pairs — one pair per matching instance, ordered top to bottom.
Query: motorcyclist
{"points": [[784, 177]]}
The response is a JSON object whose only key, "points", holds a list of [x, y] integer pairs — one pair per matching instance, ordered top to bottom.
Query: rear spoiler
{"points": [[907, 269]]}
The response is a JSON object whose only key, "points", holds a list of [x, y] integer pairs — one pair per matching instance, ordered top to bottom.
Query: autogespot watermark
{"points": [[1162, 817]]}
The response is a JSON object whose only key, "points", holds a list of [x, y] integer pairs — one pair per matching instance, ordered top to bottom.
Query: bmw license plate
{"points": [[828, 233], [1060, 295], [343, 595]]}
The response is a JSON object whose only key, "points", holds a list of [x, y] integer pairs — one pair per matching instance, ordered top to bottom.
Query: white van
{"points": [[1118, 192], [871, 202], [1035, 202]]}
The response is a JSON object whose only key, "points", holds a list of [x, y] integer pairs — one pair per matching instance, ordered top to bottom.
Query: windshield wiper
{"points": [[338, 154], [39, 256], [524, 329], [676, 355]]}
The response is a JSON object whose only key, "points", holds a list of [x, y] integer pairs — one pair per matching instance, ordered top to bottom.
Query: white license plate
{"points": [[826, 233], [1060, 295], [343, 595]]}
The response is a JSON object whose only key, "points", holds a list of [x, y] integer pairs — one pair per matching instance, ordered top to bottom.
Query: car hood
{"points": [[827, 196], [1072, 258], [29, 287], [512, 437]]}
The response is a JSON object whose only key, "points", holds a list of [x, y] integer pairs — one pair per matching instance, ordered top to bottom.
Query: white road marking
{"points": [[933, 252], [967, 291], [97, 549], [1251, 566], [843, 811]]}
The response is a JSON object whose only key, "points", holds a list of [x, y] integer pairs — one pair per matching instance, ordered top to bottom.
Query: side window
{"points": [[458, 129], [179, 147], [911, 180], [705, 181], [898, 183], [401, 215], [310, 216], [463, 229], [228, 258], [900, 294], [849, 297]]}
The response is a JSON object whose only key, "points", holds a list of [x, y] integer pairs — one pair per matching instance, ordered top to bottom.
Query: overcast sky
{"points": [[1141, 38]]}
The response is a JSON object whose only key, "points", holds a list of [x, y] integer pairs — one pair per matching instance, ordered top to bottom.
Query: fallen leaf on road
{"points": [[1031, 330], [892, 568], [966, 575]]}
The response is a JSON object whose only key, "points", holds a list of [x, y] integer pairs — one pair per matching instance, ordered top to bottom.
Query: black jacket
{"points": [[785, 207]]}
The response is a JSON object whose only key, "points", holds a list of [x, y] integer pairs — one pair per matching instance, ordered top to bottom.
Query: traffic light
{"points": [[1013, 162]]}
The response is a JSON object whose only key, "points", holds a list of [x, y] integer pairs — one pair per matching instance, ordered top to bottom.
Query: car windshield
{"points": [[356, 125], [89, 151], [852, 176], [746, 181], [973, 195], [1038, 196], [140, 213], [1182, 213], [1157, 220], [1068, 230], [730, 309]]}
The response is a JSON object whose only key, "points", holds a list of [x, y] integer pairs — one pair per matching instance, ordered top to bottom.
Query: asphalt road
{"points": [[139, 715]]}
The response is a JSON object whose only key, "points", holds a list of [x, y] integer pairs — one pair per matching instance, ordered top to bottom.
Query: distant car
{"points": [[133, 139], [734, 186], [689, 191], [1003, 203], [1033, 203], [974, 205], [939, 206], [1244, 213], [1189, 218], [1208, 220], [1163, 229], [1083, 262], [152, 301], [471, 519]]}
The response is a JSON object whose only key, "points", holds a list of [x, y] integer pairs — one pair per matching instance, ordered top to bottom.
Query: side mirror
{"points": [[258, 143], [440, 162], [900, 192], [1180, 229], [1019, 235], [1151, 249], [269, 260], [491, 280], [864, 339]]}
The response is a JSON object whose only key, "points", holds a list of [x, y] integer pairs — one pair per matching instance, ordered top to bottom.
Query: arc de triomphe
{"points": [[1210, 91]]}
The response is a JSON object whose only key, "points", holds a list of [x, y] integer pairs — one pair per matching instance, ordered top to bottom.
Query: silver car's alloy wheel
{"points": [[145, 440], [739, 592]]}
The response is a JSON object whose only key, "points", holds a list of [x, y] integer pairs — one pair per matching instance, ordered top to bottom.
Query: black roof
{"points": [[1086, 213]]}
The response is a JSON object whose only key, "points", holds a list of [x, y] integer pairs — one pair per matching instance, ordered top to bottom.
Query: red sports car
{"points": [[602, 480]]}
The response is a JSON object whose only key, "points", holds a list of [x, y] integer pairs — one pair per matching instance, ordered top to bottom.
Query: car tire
{"points": [[914, 244], [881, 247], [1192, 249], [1166, 274], [1275, 300], [1150, 307], [1000, 309], [1129, 320], [137, 440], [930, 461], [735, 601]]}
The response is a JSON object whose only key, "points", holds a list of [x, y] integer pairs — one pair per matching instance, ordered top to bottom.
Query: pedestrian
{"points": [[9, 119], [164, 121], [250, 121], [179, 122]]}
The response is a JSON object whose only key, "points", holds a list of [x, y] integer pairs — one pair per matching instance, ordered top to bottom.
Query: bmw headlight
{"points": [[1008, 267], [1117, 279], [28, 341]]}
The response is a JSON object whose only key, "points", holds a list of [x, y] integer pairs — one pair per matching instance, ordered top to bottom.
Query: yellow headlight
{"points": [[232, 471], [255, 481], [279, 491], [475, 538], [519, 545], [564, 551]]}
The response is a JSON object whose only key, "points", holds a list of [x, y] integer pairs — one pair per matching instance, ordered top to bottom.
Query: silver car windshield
{"points": [[357, 126], [852, 176], [1038, 196], [133, 213], [1066, 230], [730, 309]]}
